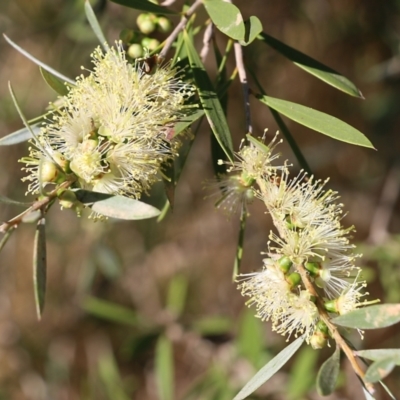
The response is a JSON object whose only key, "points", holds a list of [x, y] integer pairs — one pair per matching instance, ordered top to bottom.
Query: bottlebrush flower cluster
{"points": [[112, 132], [310, 266]]}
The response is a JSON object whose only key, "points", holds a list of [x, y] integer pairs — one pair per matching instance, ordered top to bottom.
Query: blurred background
{"points": [[147, 310]]}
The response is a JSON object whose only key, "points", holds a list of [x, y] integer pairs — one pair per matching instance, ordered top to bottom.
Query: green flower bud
{"points": [[146, 23], [164, 24], [150, 44], [134, 51], [67, 199], [285, 264], [313, 268], [293, 279], [331, 306], [322, 327], [318, 340]]}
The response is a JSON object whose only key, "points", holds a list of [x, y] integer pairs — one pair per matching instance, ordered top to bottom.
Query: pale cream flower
{"points": [[114, 128], [300, 316]]}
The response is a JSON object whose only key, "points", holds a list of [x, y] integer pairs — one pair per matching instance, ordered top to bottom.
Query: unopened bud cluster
{"points": [[139, 43], [114, 131], [310, 268]]}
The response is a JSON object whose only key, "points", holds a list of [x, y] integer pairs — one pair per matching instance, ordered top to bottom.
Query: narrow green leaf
{"points": [[144, 5], [226, 17], [94, 23], [253, 27], [37, 62], [308, 64], [54, 82], [209, 99], [21, 114], [187, 121], [318, 121], [284, 130], [20, 136], [6, 200], [116, 206], [31, 217], [5, 238], [239, 248], [39, 267], [177, 291], [110, 311], [373, 317], [216, 325], [250, 338], [378, 354], [164, 369], [269, 369], [379, 370], [328, 374], [111, 377], [299, 383], [368, 395]]}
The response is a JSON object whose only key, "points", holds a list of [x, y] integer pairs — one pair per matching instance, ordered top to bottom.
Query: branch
{"points": [[178, 28], [245, 86], [37, 205], [332, 328]]}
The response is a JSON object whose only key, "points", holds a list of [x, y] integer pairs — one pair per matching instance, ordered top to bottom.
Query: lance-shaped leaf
{"points": [[144, 5], [226, 17], [94, 23], [253, 28], [37, 62], [308, 64], [54, 82], [209, 99], [187, 121], [318, 121], [20, 136], [6, 200], [116, 206], [5, 238], [39, 267], [111, 311], [373, 317], [378, 354], [164, 369], [270, 369], [380, 369], [328, 374]]}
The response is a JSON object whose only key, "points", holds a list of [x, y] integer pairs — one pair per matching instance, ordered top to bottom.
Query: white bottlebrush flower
{"points": [[114, 126], [255, 159], [44, 166], [233, 192], [268, 290], [271, 292], [349, 299], [300, 316]]}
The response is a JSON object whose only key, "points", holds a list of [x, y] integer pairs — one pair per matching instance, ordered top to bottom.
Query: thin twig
{"points": [[167, 3], [178, 28], [207, 37], [245, 86], [37, 205], [332, 328]]}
